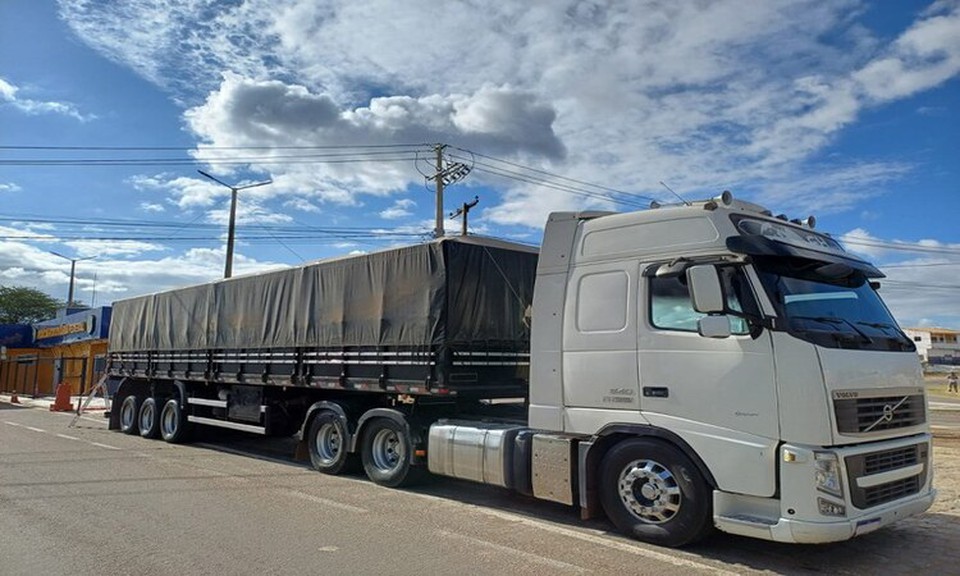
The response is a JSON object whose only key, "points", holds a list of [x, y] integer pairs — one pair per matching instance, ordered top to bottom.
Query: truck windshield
{"points": [[829, 305]]}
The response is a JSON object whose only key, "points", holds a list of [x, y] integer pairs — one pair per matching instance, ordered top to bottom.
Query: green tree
{"points": [[22, 305]]}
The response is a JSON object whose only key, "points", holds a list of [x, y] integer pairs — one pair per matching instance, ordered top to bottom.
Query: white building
{"points": [[936, 345]]}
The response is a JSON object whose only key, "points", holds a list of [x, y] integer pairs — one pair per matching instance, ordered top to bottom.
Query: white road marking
{"points": [[13, 424], [41, 430], [65, 437], [105, 446], [325, 501], [592, 536], [328, 549], [527, 556]]}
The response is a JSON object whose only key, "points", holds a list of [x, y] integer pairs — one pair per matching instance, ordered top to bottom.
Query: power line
{"points": [[204, 147], [271, 161], [556, 176], [558, 182], [904, 246]]}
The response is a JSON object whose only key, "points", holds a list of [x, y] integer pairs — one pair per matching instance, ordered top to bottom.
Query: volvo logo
{"points": [[887, 413], [887, 416]]}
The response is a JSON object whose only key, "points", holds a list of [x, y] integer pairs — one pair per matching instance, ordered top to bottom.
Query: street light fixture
{"points": [[231, 229], [73, 269]]}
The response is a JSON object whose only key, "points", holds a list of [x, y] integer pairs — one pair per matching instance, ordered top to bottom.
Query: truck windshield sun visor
{"points": [[756, 245]]}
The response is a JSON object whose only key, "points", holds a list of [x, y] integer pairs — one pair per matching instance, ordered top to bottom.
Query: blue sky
{"points": [[847, 110]]}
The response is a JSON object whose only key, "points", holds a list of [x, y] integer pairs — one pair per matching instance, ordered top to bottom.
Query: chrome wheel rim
{"points": [[147, 415], [127, 417], [168, 421], [329, 442], [387, 450], [649, 491]]}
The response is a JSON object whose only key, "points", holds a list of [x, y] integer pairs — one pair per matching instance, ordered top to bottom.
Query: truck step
{"points": [[226, 424]]}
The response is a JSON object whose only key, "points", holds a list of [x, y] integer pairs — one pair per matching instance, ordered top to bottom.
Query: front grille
{"points": [[865, 415], [890, 460], [863, 465], [889, 492]]}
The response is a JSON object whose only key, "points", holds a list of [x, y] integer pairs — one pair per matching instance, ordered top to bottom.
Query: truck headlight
{"points": [[827, 468]]}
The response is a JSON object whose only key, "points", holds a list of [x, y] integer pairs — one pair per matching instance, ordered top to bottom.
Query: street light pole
{"points": [[232, 226], [73, 269]]}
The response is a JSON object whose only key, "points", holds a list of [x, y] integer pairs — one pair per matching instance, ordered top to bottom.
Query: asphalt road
{"points": [[86, 500]]}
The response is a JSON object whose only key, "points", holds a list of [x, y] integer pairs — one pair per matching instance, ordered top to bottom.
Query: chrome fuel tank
{"points": [[477, 451]]}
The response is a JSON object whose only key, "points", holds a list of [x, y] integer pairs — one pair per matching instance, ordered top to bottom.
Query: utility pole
{"points": [[445, 175], [464, 210], [232, 226], [438, 229], [73, 269]]}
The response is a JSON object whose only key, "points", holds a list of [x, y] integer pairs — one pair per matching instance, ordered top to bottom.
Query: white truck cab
{"points": [[720, 358]]}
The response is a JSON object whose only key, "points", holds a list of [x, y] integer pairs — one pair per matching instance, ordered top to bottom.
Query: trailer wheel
{"points": [[129, 410], [149, 420], [173, 422], [327, 441], [387, 454], [651, 491]]}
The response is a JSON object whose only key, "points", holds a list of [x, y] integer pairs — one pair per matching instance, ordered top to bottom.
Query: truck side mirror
{"points": [[705, 291], [714, 326]]}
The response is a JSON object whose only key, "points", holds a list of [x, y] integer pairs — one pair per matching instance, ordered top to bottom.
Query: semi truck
{"points": [[684, 368]]}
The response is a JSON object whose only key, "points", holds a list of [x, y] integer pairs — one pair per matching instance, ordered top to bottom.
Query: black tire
{"points": [[129, 412], [149, 419], [173, 422], [328, 444], [387, 454], [651, 491]]}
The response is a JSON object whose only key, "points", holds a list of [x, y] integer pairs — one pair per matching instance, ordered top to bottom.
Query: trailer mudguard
{"points": [[334, 407], [391, 414]]}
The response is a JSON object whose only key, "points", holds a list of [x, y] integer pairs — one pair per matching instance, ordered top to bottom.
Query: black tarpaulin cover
{"points": [[450, 292]]}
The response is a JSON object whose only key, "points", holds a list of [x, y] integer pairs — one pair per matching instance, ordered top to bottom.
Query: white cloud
{"points": [[924, 56], [9, 94], [727, 94], [746, 95], [9, 187], [152, 207], [400, 209], [861, 242], [103, 248], [114, 274], [919, 281]]}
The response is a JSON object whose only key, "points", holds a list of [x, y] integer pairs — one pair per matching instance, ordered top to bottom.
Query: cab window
{"points": [[672, 309]]}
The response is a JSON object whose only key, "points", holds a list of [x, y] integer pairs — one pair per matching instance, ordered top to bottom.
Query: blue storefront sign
{"points": [[92, 324], [16, 335]]}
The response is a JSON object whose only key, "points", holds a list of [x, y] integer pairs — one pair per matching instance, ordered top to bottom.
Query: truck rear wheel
{"points": [[129, 411], [149, 420], [173, 422], [327, 443], [387, 453], [651, 491]]}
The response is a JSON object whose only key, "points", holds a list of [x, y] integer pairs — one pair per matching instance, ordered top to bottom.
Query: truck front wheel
{"points": [[129, 411], [327, 442], [387, 453], [651, 491]]}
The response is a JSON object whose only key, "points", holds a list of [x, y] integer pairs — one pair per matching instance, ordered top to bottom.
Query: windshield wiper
{"points": [[836, 321], [880, 326], [884, 326]]}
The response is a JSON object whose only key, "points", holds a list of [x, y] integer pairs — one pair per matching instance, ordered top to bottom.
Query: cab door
{"points": [[719, 394]]}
